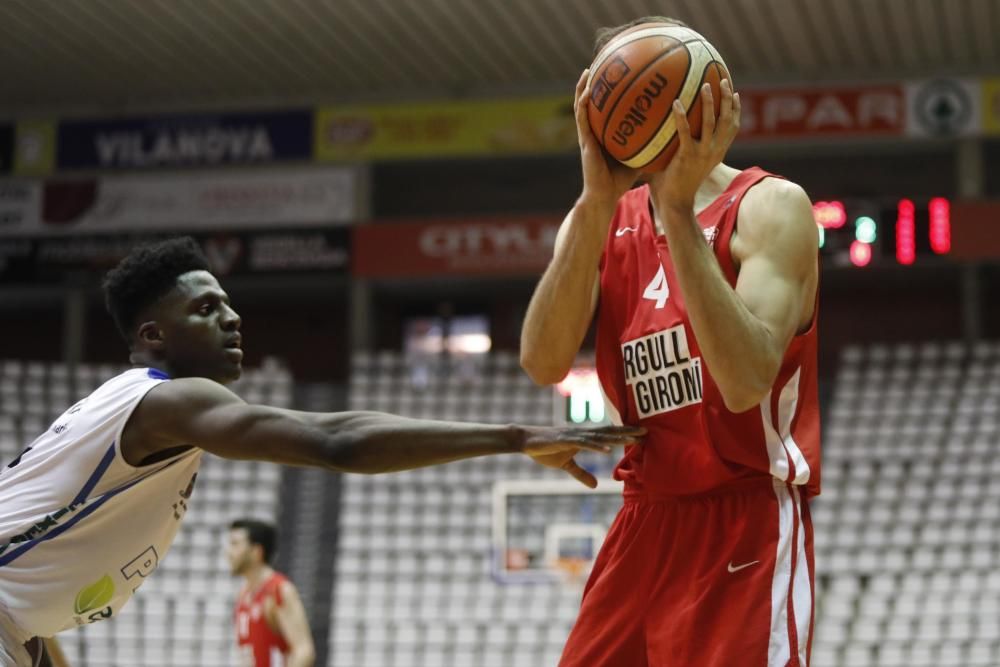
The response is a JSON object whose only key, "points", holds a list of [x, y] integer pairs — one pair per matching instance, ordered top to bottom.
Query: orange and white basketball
{"points": [[635, 79]]}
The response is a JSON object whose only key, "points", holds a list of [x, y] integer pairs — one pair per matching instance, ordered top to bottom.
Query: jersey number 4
{"points": [[658, 290]]}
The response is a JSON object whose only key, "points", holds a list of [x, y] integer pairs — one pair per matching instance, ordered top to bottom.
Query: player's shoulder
{"points": [[772, 193], [776, 206], [189, 390], [181, 399], [281, 581], [282, 589]]}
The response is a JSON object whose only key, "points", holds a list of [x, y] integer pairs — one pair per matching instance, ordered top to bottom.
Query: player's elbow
{"points": [[543, 370], [748, 384], [746, 393], [741, 401], [356, 444], [345, 452], [305, 655]]}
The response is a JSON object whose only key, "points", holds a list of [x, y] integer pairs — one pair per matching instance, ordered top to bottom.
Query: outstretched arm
{"points": [[201, 413]]}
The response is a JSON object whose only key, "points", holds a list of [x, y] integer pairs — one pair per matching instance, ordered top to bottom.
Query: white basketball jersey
{"points": [[80, 528]]}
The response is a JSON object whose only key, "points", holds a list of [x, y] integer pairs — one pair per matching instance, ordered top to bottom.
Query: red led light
{"points": [[940, 213], [830, 214], [906, 236], [861, 253]]}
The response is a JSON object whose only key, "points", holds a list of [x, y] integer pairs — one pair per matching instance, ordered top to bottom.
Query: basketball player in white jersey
{"points": [[91, 507]]}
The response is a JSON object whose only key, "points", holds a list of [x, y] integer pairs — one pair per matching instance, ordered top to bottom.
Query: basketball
{"points": [[633, 82]]}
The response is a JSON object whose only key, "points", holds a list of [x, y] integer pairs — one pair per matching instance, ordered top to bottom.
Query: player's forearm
{"points": [[562, 306], [737, 348], [373, 442]]}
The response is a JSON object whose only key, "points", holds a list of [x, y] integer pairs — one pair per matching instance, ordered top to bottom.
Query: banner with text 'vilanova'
{"points": [[185, 140]]}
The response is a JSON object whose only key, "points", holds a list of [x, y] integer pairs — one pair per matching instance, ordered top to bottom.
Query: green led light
{"points": [[865, 229], [822, 235]]}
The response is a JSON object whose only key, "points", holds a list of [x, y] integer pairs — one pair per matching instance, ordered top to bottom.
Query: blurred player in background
{"points": [[706, 335], [100, 495], [271, 625]]}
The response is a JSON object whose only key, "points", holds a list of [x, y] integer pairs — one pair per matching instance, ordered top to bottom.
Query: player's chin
{"points": [[229, 371]]}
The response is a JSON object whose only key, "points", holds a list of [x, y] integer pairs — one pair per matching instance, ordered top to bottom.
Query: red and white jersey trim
{"points": [[785, 456]]}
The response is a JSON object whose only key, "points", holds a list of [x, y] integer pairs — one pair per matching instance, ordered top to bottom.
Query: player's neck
{"points": [[714, 185], [710, 189], [143, 359], [256, 575]]}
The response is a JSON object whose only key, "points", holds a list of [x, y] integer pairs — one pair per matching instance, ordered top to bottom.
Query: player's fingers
{"points": [[581, 84], [726, 108], [737, 108], [580, 110], [707, 113], [683, 127], [622, 430], [615, 439], [603, 446], [580, 474]]}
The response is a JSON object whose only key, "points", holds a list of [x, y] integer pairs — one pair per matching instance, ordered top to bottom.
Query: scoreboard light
{"points": [[939, 209], [830, 214], [865, 229], [903, 230], [906, 232], [861, 253]]}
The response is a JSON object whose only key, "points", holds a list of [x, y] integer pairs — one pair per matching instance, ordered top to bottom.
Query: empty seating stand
{"points": [[907, 528], [413, 584]]}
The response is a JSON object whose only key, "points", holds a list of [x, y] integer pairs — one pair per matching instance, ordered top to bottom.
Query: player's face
{"points": [[201, 332], [238, 551]]}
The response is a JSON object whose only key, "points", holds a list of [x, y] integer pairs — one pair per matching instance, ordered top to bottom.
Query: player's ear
{"points": [[149, 335]]}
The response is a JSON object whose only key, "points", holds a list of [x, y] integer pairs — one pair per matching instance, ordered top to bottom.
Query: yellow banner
{"points": [[991, 106], [504, 127], [34, 147]]}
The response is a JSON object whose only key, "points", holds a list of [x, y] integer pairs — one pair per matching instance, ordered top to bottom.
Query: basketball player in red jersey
{"points": [[706, 336], [271, 625]]}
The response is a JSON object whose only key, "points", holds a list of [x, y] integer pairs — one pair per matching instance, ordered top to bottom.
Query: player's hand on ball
{"points": [[605, 179], [676, 186], [555, 448]]}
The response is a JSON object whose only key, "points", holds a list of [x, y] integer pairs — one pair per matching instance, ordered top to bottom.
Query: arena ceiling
{"points": [[81, 56]]}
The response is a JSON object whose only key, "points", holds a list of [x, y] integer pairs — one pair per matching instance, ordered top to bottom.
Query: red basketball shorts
{"points": [[723, 579]]}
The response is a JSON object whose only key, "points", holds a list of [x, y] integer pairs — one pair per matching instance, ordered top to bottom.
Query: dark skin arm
{"points": [[196, 412], [51, 656]]}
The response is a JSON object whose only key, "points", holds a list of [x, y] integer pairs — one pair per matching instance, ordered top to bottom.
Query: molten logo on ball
{"points": [[636, 115]]}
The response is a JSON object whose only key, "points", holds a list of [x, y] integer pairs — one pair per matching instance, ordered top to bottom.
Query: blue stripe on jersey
{"points": [[156, 374], [95, 477], [59, 530]]}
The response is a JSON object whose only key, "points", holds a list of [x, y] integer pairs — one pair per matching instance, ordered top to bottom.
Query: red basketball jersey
{"points": [[653, 374], [259, 645]]}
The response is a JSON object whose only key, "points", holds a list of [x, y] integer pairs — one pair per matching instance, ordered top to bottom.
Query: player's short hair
{"points": [[606, 34], [146, 275], [259, 532]]}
